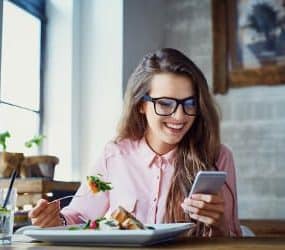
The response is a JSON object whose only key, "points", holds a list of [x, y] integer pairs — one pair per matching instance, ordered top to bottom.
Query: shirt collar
{"points": [[149, 156]]}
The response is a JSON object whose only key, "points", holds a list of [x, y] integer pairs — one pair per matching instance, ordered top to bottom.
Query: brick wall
{"points": [[253, 122], [254, 127]]}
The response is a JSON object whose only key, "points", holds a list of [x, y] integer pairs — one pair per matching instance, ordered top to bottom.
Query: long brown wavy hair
{"points": [[199, 147]]}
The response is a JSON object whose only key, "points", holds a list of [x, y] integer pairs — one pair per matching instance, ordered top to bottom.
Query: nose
{"points": [[179, 113]]}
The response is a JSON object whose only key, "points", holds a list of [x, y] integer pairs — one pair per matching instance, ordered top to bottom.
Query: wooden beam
{"points": [[220, 82], [40, 185]]}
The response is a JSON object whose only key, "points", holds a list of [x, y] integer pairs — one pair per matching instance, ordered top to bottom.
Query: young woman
{"points": [[169, 130]]}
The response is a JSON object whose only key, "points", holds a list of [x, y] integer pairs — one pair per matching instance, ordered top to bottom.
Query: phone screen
{"points": [[208, 182]]}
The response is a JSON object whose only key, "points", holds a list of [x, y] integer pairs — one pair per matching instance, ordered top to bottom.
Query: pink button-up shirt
{"points": [[141, 180]]}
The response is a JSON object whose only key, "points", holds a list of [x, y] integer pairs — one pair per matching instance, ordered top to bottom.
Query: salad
{"points": [[96, 184], [119, 219], [100, 223]]}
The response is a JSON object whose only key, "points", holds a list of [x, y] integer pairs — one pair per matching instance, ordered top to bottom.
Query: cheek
{"points": [[148, 111], [153, 119], [190, 123]]}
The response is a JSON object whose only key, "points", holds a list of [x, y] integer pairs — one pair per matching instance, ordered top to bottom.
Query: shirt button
{"points": [[159, 161], [157, 177], [154, 199]]}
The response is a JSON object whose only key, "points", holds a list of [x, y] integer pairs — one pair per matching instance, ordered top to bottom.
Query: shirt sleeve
{"points": [[225, 162], [86, 204]]}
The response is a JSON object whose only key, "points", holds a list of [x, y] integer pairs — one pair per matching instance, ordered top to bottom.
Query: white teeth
{"points": [[175, 126]]}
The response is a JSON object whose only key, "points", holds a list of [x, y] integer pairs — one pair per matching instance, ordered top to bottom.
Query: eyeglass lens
{"points": [[166, 106]]}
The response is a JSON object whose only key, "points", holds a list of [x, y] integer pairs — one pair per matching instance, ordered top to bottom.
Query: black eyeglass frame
{"points": [[178, 102]]}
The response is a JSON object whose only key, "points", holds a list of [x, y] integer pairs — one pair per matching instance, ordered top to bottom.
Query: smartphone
{"points": [[208, 182]]}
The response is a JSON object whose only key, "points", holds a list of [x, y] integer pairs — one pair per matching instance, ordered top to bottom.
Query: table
{"points": [[262, 243]]}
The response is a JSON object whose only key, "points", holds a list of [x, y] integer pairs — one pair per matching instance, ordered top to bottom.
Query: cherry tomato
{"points": [[93, 224]]}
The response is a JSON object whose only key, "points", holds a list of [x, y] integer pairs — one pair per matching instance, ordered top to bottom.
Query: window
{"points": [[21, 62]]}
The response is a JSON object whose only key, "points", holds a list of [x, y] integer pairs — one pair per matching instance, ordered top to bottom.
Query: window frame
{"points": [[37, 9]]}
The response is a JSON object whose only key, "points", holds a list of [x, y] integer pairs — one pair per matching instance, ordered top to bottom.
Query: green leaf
{"points": [[3, 138], [36, 140], [4, 210], [100, 219], [86, 226], [74, 228]]}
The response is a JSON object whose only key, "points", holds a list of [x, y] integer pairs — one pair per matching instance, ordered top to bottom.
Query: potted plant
{"points": [[8, 160], [38, 165]]}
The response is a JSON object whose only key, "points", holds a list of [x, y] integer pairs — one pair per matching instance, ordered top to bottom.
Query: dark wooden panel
{"points": [[264, 227]]}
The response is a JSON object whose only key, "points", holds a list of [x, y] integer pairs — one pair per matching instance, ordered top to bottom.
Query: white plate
{"points": [[160, 233]]}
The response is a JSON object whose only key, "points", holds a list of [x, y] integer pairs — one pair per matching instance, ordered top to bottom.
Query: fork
{"points": [[66, 197]]}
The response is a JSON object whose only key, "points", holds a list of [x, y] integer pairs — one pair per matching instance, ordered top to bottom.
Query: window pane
{"points": [[20, 66], [21, 124]]}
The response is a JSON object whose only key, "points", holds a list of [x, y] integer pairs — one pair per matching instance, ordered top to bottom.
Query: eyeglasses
{"points": [[165, 106]]}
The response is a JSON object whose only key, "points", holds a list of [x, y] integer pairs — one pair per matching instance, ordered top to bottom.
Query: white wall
{"points": [[101, 75], [83, 81], [58, 84]]}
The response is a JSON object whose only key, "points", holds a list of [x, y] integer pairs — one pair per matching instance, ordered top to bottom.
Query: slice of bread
{"points": [[120, 214], [126, 219], [130, 223]]}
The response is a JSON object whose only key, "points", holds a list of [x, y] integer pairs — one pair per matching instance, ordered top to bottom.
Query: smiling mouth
{"points": [[175, 126]]}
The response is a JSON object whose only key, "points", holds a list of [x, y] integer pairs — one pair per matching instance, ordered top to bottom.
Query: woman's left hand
{"points": [[207, 208]]}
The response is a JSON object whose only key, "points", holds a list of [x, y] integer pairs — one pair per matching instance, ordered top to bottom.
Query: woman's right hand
{"points": [[46, 214]]}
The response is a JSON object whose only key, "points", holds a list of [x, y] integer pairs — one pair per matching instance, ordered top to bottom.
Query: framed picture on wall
{"points": [[249, 43]]}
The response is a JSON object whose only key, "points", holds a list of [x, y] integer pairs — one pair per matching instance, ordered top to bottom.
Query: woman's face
{"points": [[163, 133]]}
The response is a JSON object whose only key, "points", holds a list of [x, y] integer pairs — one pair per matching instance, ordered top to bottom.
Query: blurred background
{"points": [[65, 65]]}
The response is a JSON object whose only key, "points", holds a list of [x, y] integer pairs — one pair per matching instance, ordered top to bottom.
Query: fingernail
{"points": [[194, 196]]}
